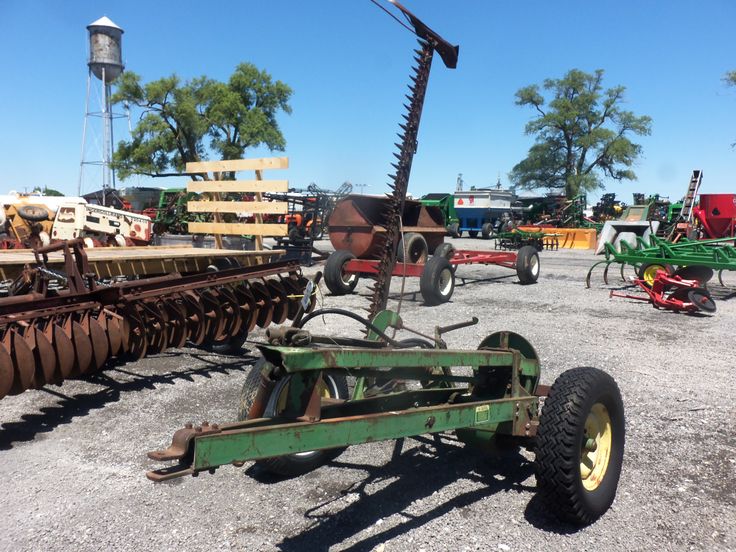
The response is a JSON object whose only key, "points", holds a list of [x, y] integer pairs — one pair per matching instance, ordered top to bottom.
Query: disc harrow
{"points": [[49, 335]]}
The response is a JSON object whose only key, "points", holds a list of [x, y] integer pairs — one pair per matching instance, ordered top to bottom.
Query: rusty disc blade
{"points": [[263, 300], [280, 300], [247, 306], [231, 310], [195, 317], [214, 319], [177, 322], [155, 324], [113, 330], [100, 343], [135, 343], [82, 348], [64, 349], [43, 353], [24, 364], [6, 371]]}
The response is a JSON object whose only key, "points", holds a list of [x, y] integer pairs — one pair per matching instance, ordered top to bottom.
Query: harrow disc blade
{"points": [[280, 300], [265, 305], [248, 306], [231, 310], [195, 318], [214, 318], [177, 322], [111, 324], [155, 324], [135, 343], [100, 344], [82, 348], [64, 349], [44, 355], [23, 362], [6, 371]]}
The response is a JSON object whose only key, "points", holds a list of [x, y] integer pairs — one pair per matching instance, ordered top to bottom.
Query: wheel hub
{"points": [[596, 448]]}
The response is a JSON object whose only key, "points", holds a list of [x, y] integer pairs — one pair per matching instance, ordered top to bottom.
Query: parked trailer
{"points": [[481, 211], [358, 224], [436, 276]]}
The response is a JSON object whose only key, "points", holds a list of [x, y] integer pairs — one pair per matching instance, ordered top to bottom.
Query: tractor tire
{"points": [[32, 213], [454, 230], [486, 230], [473, 233], [412, 248], [446, 250], [527, 265], [337, 281], [437, 281], [580, 445], [290, 465]]}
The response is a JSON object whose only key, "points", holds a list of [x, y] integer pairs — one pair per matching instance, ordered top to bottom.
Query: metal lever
{"points": [[452, 327]]}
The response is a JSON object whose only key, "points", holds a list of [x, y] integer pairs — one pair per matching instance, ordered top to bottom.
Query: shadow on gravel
{"points": [[70, 406], [414, 475], [538, 514]]}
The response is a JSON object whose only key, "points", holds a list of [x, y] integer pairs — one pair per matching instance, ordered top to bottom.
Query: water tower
{"points": [[106, 64]]}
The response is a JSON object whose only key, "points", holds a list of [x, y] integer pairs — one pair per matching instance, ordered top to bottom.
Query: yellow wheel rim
{"points": [[650, 273], [596, 449]]}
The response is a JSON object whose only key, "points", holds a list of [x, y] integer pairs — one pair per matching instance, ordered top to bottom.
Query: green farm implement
{"points": [[700, 258], [296, 413]]}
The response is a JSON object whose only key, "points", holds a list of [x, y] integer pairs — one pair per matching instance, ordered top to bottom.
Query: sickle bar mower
{"points": [[49, 335], [296, 414]]}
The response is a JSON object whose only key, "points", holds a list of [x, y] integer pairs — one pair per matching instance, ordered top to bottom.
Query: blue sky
{"points": [[348, 64]]}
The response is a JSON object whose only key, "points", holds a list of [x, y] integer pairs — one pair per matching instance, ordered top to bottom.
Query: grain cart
{"points": [[295, 413]]}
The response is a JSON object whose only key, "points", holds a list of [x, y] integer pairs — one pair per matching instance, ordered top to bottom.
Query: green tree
{"points": [[730, 78], [199, 119], [581, 135], [48, 191]]}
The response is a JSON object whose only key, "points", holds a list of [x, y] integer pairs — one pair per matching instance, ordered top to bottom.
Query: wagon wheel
{"points": [[527, 265], [338, 281], [437, 281], [334, 386], [580, 445]]}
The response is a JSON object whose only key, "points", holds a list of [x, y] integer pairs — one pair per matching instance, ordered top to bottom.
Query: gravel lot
{"points": [[72, 458]]}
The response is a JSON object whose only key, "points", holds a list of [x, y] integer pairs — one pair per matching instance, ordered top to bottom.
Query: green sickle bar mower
{"points": [[296, 413]]}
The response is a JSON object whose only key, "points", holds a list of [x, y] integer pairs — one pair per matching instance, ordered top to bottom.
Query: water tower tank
{"points": [[105, 49]]}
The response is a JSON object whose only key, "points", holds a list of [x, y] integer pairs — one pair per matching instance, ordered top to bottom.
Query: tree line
{"points": [[582, 134]]}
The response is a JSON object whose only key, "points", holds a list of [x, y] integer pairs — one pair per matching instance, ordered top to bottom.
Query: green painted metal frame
{"points": [[716, 254], [499, 398]]}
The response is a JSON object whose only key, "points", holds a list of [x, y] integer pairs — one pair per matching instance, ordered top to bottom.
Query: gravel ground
{"points": [[72, 458]]}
